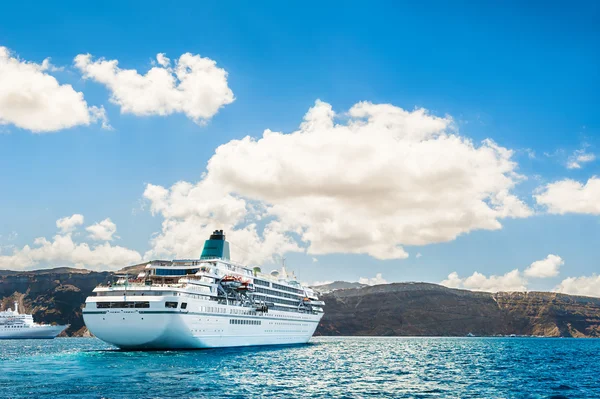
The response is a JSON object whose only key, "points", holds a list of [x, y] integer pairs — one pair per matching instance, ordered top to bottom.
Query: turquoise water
{"points": [[326, 368]]}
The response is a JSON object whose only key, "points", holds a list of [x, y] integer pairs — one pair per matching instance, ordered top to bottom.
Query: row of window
{"points": [[174, 272], [262, 282], [288, 289], [135, 293], [276, 293], [284, 301], [123, 305], [173, 305], [283, 308], [212, 309], [243, 311], [247, 322]]}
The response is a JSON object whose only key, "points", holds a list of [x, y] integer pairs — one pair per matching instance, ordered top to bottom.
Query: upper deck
{"points": [[215, 277]]}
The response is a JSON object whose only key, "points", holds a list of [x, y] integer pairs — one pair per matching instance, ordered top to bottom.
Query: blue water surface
{"points": [[325, 368]]}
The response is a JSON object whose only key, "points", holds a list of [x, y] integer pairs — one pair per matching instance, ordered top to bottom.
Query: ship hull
{"points": [[154, 330], [38, 332]]}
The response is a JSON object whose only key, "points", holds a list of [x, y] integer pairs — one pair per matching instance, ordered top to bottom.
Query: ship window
{"points": [[119, 304], [142, 304], [102, 305], [171, 305], [183, 305]]}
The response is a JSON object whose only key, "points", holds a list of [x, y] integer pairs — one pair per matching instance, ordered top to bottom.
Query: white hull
{"points": [[139, 329], [35, 332]]}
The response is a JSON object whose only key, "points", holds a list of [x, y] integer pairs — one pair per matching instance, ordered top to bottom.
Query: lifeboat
{"points": [[231, 281], [246, 286]]}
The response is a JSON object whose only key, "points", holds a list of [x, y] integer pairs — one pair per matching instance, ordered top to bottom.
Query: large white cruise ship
{"points": [[208, 302], [14, 325]]}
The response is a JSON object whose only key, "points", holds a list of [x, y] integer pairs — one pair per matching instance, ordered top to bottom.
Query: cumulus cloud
{"points": [[193, 85], [32, 99], [404, 177], [381, 178], [570, 196], [69, 223], [102, 231], [61, 250], [547, 267], [378, 279], [511, 281], [585, 286]]}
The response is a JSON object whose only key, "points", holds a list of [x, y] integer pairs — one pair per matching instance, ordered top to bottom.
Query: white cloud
{"points": [[163, 60], [48, 66], [194, 86], [32, 99], [98, 115], [530, 153], [578, 158], [381, 178], [570, 196], [191, 212], [69, 223], [102, 231], [63, 251], [418, 255], [315, 260], [547, 267], [378, 279], [453, 281], [511, 281], [585, 286]]}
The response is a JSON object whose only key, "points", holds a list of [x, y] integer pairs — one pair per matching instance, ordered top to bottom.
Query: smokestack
{"points": [[17, 307]]}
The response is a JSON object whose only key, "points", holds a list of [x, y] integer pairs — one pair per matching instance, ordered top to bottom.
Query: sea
{"points": [[340, 367]]}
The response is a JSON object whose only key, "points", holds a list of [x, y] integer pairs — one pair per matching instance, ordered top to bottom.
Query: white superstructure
{"points": [[203, 303], [14, 325]]}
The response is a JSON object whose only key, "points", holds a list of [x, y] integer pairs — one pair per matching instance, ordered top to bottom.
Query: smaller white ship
{"points": [[21, 326]]}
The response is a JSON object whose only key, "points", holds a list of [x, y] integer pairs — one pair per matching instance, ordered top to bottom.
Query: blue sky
{"points": [[526, 76]]}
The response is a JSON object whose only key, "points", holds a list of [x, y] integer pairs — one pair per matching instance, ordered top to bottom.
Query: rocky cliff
{"points": [[53, 296], [57, 296], [431, 310]]}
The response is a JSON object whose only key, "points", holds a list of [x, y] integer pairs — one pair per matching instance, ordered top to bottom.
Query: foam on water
{"points": [[326, 368]]}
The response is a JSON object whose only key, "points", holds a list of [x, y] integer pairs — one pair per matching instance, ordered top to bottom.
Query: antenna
{"points": [[283, 271]]}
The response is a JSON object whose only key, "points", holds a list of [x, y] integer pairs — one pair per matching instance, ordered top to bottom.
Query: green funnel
{"points": [[216, 246]]}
